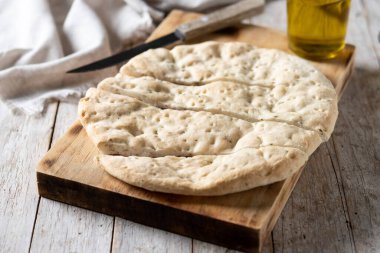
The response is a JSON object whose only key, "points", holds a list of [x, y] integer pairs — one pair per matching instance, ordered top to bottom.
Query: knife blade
{"points": [[206, 24]]}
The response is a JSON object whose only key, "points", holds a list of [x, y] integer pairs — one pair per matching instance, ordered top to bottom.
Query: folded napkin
{"points": [[42, 39]]}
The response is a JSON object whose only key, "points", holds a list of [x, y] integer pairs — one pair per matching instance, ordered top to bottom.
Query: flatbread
{"points": [[209, 119]]}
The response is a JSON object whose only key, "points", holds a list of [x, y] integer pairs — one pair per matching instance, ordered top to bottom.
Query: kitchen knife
{"points": [[206, 24]]}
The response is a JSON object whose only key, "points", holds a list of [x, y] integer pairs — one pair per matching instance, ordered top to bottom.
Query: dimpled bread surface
{"points": [[209, 119]]}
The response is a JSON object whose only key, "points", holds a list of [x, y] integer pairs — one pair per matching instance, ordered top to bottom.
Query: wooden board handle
{"points": [[220, 18]]}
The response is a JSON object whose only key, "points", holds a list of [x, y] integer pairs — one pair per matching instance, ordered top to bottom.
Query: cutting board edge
{"points": [[42, 173], [156, 215]]}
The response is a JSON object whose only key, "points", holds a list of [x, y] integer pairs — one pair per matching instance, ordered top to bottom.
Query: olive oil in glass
{"points": [[317, 28]]}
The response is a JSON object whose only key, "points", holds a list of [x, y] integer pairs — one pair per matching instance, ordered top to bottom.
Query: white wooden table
{"points": [[342, 178]]}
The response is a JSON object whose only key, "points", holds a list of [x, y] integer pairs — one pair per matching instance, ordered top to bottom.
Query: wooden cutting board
{"points": [[242, 221]]}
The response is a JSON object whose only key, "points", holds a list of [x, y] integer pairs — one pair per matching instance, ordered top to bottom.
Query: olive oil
{"points": [[317, 28]]}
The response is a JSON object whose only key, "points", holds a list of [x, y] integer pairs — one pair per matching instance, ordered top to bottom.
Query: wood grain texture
{"points": [[370, 11], [67, 113], [23, 141], [356, 142], [315, 202], [242, 221], [63, 228], [132, 237], [204, 247]]}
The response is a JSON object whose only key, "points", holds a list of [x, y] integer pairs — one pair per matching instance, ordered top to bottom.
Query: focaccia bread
{"points": [[210, 118]]}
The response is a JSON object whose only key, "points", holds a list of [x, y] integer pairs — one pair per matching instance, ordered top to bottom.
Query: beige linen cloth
{"points": [[42, 39]]}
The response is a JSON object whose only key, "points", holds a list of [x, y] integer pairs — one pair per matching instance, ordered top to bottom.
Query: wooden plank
{"points": [[371, 13], [274, 16], [66, 116], [24, 140], [356, 141], [314, 218], [242, 221], [63, 228], [132, 237], [203, 247]]}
